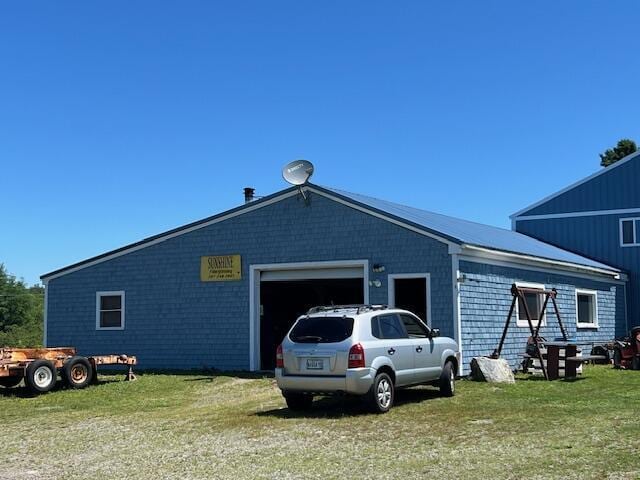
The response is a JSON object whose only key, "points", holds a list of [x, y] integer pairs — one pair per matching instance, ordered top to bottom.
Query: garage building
{"points": [[222, 292]]}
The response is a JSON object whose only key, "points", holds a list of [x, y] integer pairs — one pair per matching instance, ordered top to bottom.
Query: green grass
{"points": [[227, 426]]}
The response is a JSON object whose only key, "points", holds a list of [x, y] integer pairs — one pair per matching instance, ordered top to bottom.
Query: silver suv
{"points": [[366, 350]]}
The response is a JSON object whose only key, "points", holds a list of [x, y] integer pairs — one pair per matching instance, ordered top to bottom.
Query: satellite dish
{"points": [[297, 172]]}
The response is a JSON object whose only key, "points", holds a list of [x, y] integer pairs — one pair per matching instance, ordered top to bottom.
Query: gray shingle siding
{"points": [[485, 300], [173, 320]]}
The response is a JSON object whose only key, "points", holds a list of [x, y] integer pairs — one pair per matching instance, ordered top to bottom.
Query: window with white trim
{"points": [[630, 232], [534, 303], [586, 308], [110, 310]]}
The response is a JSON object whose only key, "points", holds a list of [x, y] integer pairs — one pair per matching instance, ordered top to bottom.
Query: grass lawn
{"points": [[228, 426]]}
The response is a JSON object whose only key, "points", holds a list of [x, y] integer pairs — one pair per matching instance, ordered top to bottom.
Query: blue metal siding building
{"points": [[587, 218], [171, 318]]}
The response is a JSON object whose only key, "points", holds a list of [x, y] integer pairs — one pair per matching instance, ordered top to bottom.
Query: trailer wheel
{"points": [[77, 372], [41, 376], [8, 382]]}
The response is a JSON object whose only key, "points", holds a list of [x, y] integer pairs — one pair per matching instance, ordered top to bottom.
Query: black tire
{"points": [[600, 350], [617, 358], [635, 363], [77, 372], [41, 376], [447, 381], [8, 382], [381, 394], [298, 401]]}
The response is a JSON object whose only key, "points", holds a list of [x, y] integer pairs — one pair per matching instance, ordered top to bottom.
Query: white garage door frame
{"points": [[291, 271]]}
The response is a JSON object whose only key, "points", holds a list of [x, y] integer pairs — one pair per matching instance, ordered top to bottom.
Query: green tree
{"points": [[622, 149], [21, 312]]}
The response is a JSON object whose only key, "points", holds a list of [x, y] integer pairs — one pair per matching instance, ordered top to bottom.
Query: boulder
{"points": [[484, 369]]}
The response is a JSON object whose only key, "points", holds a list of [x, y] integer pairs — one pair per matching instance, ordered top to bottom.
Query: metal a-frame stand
{"points": [[518, 293]]}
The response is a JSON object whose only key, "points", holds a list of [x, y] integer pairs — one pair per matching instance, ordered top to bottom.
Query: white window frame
{"points": [[633, 221], [391, 290], [594, 294], [99, 295], [525, 323]]}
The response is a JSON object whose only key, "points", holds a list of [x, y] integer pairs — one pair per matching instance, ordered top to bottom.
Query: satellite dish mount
{"points": [[298, 173]]}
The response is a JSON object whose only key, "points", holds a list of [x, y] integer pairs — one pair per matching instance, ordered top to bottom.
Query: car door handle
{"points": [[419, 349], [391, 351]]}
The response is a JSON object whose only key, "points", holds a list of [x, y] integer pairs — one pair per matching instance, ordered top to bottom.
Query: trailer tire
{"points": [[77, 372], [40, 376], [8, 382]]}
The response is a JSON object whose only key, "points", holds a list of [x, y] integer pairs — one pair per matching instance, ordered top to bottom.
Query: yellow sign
{"points": [[220, 268]]}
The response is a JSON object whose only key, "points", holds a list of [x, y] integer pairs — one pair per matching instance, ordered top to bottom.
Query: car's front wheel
{"points": [[448, 380], [381, 394], [298, 401]]}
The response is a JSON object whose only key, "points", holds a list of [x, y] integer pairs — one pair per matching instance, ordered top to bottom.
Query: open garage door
{"points": [[287, 294]]}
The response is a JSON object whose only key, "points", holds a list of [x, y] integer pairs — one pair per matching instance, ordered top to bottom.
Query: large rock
{"points": [[484, 369]]}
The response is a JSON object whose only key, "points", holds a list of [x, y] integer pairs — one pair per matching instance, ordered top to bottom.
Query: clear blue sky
{"points": [[119, 120]]}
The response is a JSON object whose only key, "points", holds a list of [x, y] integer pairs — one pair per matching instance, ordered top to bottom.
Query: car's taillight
{"points": [[356, 356], [279, 360]]}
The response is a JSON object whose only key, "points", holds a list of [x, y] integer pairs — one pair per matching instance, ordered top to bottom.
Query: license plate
{"points": [[315, 364]]}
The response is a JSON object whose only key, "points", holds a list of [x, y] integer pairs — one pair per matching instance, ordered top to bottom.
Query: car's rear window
{"points": [[322, 330]]}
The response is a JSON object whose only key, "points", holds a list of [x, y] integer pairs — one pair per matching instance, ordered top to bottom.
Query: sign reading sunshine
{"points": [[220, 268]]}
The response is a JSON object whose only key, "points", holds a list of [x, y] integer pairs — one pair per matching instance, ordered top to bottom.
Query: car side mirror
{"points": [[435, 332]]}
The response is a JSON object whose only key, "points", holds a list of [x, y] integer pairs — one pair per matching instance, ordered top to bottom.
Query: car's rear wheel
{"points": [[448, 380], [381, 394], [298, 401]]}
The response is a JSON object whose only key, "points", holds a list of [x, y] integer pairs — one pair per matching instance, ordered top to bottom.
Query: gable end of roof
{"points": [[602, 171]]}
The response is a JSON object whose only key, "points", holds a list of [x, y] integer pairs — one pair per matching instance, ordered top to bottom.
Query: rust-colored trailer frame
{"points": [[17, 363]]}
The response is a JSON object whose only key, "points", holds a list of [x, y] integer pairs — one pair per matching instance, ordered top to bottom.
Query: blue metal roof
{"points": [[471, 233]]}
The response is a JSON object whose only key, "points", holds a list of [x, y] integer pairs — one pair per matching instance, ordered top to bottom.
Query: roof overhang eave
{"points": [[484, 252]]}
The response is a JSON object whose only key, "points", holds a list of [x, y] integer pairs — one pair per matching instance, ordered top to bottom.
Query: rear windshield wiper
{"points": [[317, 338]]}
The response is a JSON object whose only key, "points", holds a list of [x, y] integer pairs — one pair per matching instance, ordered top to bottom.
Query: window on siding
{"points": [[629, 232], [534, 303], [586, 308], [110, 310]]}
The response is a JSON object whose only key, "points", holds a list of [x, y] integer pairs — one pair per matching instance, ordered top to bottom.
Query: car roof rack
{"points": [[359, 308]]}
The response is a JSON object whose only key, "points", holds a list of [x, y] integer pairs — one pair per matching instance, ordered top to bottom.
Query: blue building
{"points": [[598, 217], [222, 292]]}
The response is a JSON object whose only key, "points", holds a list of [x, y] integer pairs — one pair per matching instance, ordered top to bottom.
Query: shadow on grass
{"points": [[104, 375], [201, 375], [211, 376], [537, 378], [21, 391], [348, 406]]}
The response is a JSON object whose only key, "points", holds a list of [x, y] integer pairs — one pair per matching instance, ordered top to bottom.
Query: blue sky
{"points": [[119, 120]]}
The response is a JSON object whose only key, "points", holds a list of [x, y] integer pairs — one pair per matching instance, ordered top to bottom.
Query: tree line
{"points": [[623, 148], [21, 312]]}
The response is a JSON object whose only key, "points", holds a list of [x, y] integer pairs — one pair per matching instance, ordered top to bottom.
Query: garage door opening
{"points": [[283, 301]]}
